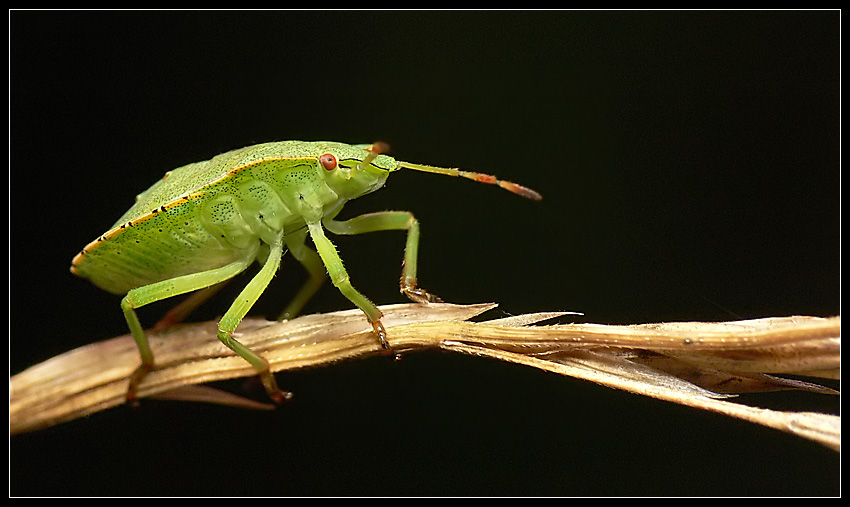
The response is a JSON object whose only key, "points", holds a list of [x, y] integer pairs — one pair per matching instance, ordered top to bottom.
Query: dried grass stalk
{"points": [[691, 363]]}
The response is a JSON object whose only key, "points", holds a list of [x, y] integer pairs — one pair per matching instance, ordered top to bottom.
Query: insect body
{"points": [[204, 223]]}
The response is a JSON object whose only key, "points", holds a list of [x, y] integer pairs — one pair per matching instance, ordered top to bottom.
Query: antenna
{"points": [[479, 177]]}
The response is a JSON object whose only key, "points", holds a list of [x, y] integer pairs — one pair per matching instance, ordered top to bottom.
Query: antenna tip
{"points": [[379, 147], [521, 190]]}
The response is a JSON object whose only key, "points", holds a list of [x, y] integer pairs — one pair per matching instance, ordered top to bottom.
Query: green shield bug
{"points": [[204, 223]]}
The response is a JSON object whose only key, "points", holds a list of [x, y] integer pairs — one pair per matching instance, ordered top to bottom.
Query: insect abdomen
{"points": [[168, 242]]}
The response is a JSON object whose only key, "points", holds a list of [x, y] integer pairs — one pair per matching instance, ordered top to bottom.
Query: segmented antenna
{"points": [[381, 147], [479, 177]]}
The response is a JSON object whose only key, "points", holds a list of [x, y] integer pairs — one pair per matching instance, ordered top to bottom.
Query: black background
{"points": [[689, 163]]}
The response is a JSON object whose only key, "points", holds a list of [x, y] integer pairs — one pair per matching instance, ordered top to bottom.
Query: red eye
{"points": [[328, 161]]}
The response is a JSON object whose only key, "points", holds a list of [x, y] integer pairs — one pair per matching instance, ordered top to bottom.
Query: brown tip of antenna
{"points": [[379, 147], [479, 177], [507, 185], [521, 190]]}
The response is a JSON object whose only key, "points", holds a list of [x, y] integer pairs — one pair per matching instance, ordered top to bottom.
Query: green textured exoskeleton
{"points": [[204, 223]]}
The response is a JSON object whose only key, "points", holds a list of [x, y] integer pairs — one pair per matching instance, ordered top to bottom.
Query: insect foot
{"points": [[419, 295], [381, 333], [136, 378], [280, 397]]}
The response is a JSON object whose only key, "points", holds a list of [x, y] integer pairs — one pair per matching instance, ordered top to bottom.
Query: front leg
{"points": [[387, 221], [339, 277]]}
